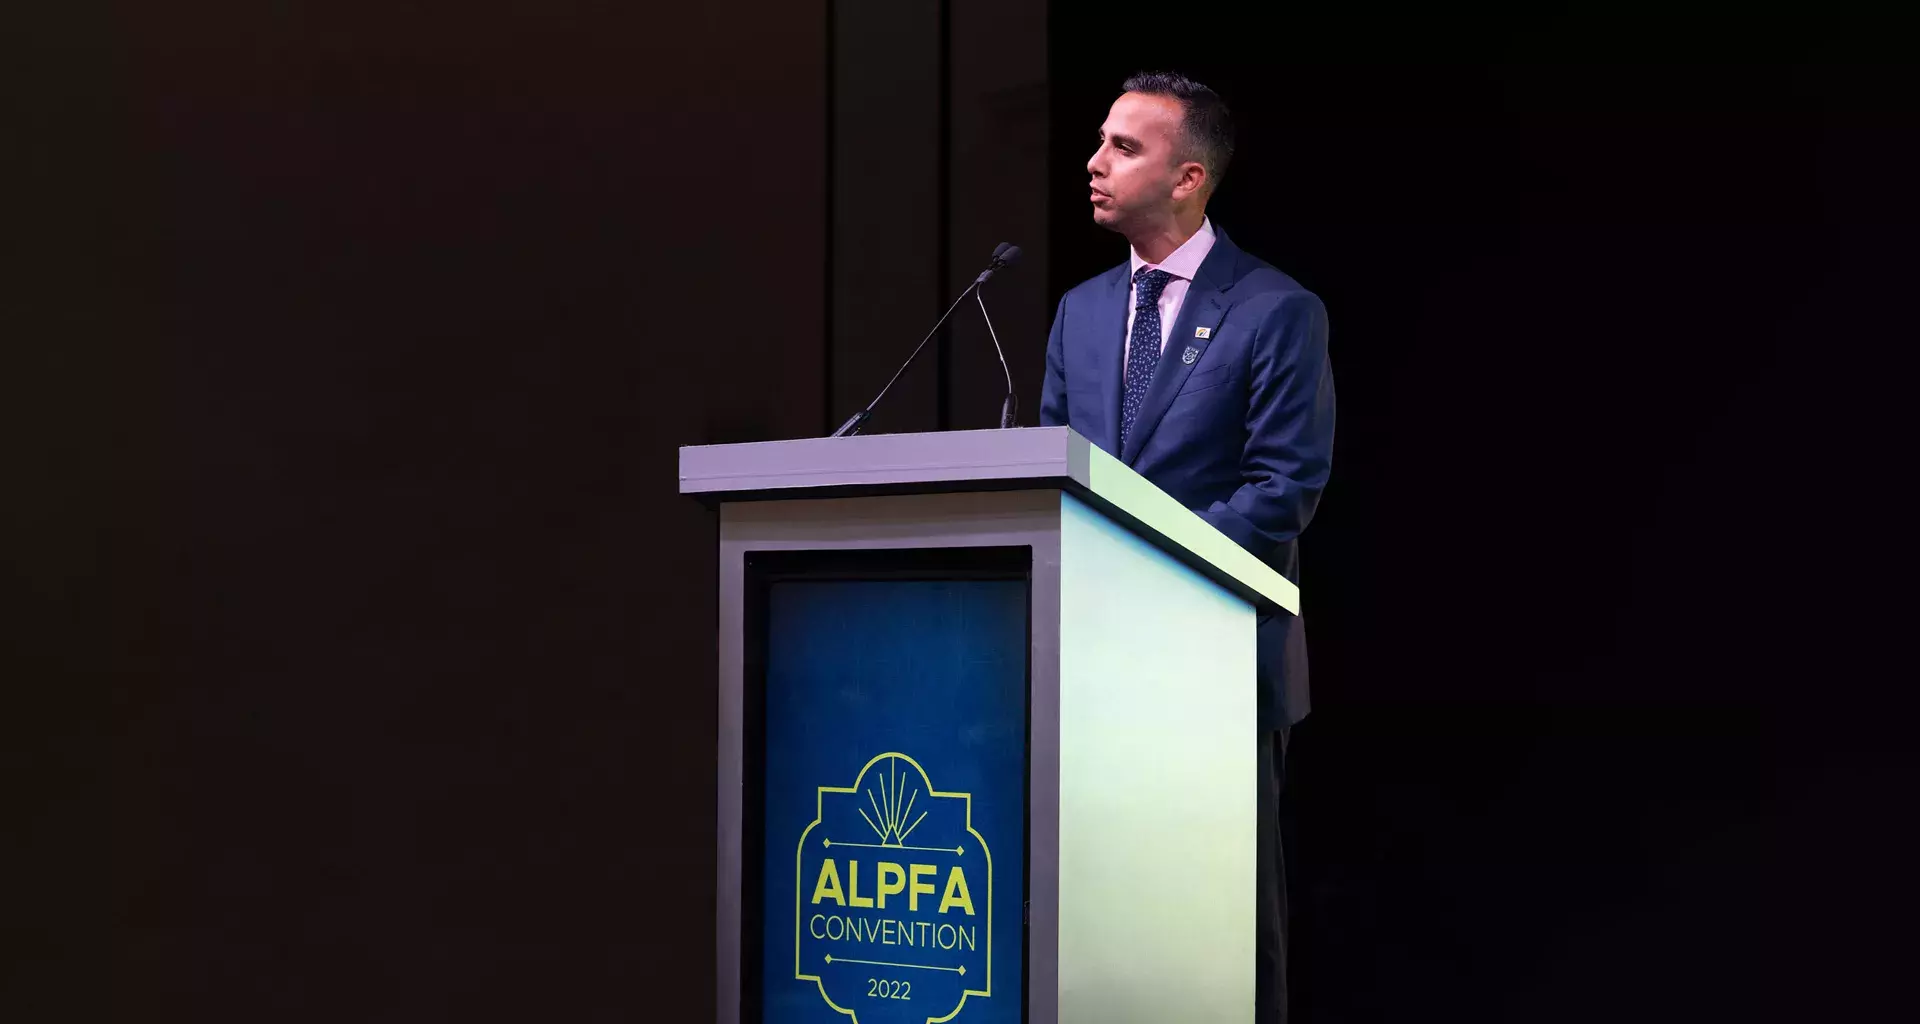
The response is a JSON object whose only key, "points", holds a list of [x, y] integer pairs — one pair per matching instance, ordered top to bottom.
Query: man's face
{"points": [[1136, 169]]}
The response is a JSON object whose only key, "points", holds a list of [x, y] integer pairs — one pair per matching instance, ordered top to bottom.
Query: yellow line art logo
{"points": [[893, 898]]}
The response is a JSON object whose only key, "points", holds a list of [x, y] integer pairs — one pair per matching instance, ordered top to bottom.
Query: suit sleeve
{"points": [[1053, 392], [1289, 450]]}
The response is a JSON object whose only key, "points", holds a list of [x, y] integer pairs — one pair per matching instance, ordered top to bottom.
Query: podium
{"points": [[987, 744]]}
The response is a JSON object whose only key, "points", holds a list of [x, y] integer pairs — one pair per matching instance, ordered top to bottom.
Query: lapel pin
{"points": [[1202, 332], [1192, 353]]}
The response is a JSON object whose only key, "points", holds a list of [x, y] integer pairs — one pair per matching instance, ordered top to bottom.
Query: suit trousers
{"points": [[1270, 913]]}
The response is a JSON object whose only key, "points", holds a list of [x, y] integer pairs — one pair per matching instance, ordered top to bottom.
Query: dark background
{"points": [[359, 343], [1585, 743]]}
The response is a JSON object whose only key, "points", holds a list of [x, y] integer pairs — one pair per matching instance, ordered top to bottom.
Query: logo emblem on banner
{"points": [[893, 915]]}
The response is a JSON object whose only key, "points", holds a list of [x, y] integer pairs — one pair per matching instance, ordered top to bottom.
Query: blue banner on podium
{"points": [[895, 801]]}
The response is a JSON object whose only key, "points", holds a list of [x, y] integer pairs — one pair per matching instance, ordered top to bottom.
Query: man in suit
{"points": [[1206, 371]]}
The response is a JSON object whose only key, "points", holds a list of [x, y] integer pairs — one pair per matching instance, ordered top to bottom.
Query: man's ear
{"points": [[1192, 180]]}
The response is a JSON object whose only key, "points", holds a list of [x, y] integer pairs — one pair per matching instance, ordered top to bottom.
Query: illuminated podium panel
{"points": [[987, 735]]}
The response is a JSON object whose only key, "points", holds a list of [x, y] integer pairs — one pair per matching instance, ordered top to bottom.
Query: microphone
{"points": [[1003, 254]]}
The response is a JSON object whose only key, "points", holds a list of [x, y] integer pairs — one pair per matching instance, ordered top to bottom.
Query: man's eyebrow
{"points": [[1121, 140]]}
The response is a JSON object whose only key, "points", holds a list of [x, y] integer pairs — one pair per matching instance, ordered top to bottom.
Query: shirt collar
{"points": [[1185, 261]]}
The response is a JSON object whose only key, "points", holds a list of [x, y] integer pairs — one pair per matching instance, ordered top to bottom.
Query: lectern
{"points": [[987, 735]]}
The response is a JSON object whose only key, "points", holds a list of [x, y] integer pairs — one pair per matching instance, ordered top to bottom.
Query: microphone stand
{"points": [[1003, 255]]}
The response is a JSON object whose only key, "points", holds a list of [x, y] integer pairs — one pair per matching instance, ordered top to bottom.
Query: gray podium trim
{"points": [[965, 460], [930, 461], [1013, 519]]}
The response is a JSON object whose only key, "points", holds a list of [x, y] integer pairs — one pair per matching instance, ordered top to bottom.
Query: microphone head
{"points": [[1003, 255]]}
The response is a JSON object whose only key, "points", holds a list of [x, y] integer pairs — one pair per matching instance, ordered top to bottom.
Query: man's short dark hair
{"points": [[1208, 124]]}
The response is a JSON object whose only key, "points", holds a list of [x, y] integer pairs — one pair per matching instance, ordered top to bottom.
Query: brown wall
{"points": [[938, 154], [391, 324], [417, 713]]}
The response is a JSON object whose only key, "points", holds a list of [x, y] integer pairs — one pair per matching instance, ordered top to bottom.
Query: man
{"points": [[1206, 371]]}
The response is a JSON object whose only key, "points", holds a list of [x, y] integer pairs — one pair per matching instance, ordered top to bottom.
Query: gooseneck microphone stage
{"points": [[1004, 255]]}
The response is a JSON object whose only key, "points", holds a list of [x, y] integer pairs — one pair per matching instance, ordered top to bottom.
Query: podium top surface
{"points": [[963, 460]]}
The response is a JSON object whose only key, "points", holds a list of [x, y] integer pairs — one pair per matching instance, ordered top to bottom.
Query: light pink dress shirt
{"points": [[1182, 263]]}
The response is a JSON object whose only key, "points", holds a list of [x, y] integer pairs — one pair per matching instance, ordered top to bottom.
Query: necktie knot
{"points": [[1148, 284]]}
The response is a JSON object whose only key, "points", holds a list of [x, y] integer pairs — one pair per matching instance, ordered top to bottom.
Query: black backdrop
{"points": [[369, 337], [1576, 752]]}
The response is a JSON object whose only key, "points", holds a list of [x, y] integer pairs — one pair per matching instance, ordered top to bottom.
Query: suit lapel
{"points": [[1205, 306], [1110, 335]]}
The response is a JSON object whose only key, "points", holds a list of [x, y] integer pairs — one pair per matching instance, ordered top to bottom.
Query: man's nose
{"points": [[1095, 165]]}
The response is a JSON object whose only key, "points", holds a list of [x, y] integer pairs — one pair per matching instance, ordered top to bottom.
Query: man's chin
{"points": [[1108, 219]]}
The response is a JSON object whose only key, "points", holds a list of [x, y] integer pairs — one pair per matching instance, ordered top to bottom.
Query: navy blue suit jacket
{"points": [[1242, 433]]}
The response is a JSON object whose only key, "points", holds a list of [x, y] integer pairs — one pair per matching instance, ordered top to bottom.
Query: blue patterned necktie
{"points": [[1143, 347]]}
